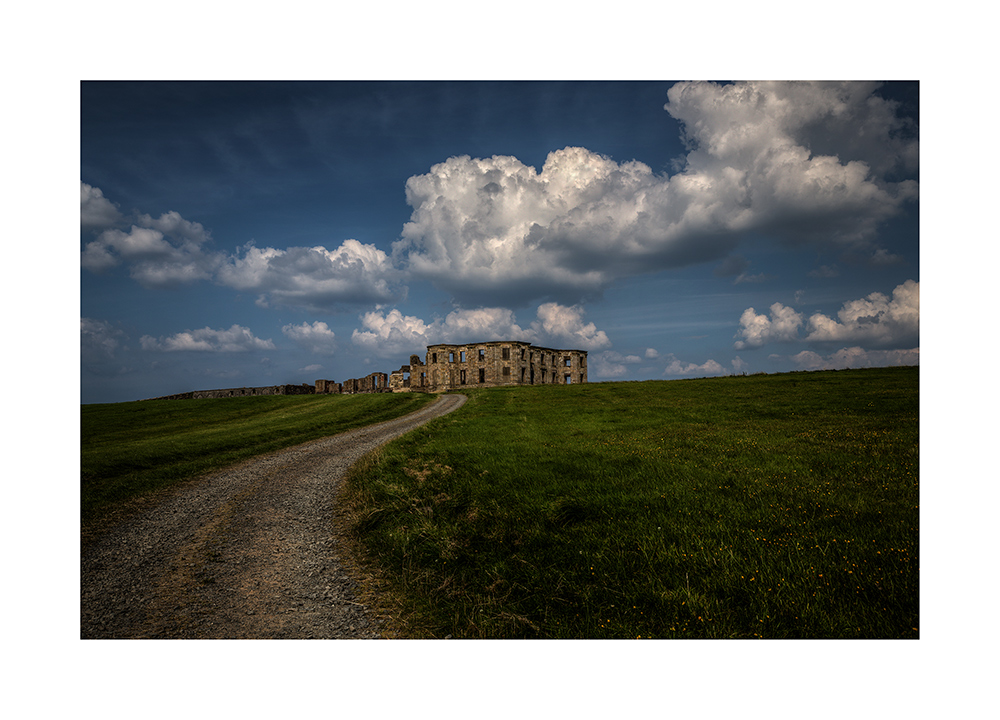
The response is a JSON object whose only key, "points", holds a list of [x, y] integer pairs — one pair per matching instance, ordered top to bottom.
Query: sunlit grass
{"points": [[778, 506]]}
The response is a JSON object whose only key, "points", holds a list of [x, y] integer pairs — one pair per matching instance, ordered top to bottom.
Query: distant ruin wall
{"points": [[373, 383], [242, 392]]}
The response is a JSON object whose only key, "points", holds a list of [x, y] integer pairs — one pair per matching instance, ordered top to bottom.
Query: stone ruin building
{"points": [[497, 363], [489, 364]]}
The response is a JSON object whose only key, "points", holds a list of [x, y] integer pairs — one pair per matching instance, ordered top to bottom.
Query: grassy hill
{"points": [[778, 506]]}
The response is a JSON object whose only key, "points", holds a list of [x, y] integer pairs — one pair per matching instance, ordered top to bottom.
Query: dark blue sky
{"points": [[251, 233]]}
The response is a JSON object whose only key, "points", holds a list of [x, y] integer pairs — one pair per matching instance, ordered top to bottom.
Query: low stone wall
{"points": [[242, 392]]}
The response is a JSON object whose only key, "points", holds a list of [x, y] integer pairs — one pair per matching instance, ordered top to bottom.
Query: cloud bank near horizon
{"points": [[876, 320], [392, 333]]}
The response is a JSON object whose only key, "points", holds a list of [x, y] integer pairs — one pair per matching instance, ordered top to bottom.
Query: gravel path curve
{"points": [[247, 552]]}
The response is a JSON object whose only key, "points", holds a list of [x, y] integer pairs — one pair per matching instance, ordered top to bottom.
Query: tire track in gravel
{"points": [[247, 552]]}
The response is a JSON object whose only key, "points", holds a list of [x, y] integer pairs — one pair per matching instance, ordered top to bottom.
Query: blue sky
{"points": [[247, 233]]}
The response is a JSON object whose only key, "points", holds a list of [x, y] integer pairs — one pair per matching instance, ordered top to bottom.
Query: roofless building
{"points": [[489, 364]]}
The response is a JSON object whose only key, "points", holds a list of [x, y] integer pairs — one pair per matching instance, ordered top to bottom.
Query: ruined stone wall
{"points": [[501, 363], [409, 378], [375, 382], [242, 392]]}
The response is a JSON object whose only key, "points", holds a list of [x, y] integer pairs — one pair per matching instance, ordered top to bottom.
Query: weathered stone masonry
{"points": [[489, 364], [375, 382]]}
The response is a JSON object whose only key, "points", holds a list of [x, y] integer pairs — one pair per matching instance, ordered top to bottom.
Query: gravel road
{"points": [[248, 552]]}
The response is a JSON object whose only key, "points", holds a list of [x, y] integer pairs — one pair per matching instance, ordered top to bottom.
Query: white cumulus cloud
{"points": [[782, 158], [170, 250], [161, 252], [314, 278], [875, 319], [565, 325], [755, 330], [317, 337], [235, 339]]}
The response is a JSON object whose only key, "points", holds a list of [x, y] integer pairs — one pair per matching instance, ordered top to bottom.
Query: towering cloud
{"points": [[785, 159]]}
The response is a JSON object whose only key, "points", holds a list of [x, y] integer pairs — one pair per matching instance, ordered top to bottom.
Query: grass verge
{"points": [[132, 452], [779, 506]]}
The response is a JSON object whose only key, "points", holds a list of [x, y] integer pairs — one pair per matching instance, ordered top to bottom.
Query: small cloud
{"points": [[96, 211], [732, 265], [825, 271], [758, 278], [565, 325], [783, 325], [317, 337], [235, 339], [99, 340], [652, 354], [612, 364], [709, 367]]}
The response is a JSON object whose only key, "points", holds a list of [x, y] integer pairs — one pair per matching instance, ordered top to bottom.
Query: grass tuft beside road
{"points": [[780, 506]]}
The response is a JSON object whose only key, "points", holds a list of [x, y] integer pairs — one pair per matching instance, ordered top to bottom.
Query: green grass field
{"points": [[131, 449], [779, 506]]}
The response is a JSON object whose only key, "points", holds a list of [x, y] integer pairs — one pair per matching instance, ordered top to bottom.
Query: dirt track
{"points": [[248, 552]]}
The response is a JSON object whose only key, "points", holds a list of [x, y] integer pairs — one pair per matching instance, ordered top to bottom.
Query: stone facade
{"points": [[490, 364]]}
